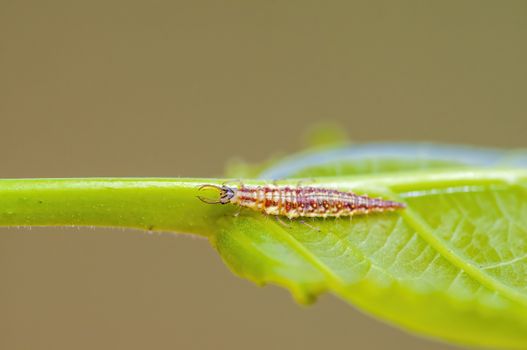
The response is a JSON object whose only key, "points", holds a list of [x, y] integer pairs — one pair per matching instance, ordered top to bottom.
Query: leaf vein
{"points": [[459, 261]]}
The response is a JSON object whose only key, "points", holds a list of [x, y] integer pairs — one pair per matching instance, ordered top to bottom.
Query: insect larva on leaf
{"points": [[300, 201]]}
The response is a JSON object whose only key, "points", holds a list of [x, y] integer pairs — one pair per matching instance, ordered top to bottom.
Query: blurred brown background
{"points": [[177, 88]]}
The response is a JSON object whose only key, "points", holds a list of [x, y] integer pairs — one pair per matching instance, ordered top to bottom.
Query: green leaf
{"points": [[453, 265]]}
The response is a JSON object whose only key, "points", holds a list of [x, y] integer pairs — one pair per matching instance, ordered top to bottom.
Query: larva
{"points": [[300, 201]]}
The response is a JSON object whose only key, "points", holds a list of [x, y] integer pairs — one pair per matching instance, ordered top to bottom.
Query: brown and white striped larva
{"points": [[300, 201]]}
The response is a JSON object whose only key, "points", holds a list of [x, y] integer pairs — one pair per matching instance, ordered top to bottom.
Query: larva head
{"points": [[226, 194]]}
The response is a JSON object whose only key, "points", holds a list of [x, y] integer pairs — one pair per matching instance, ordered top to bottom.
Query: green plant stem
{"points": [[148, 204]]}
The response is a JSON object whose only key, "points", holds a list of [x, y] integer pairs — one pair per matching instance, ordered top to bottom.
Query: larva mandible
{"points": [[300, 201]]}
